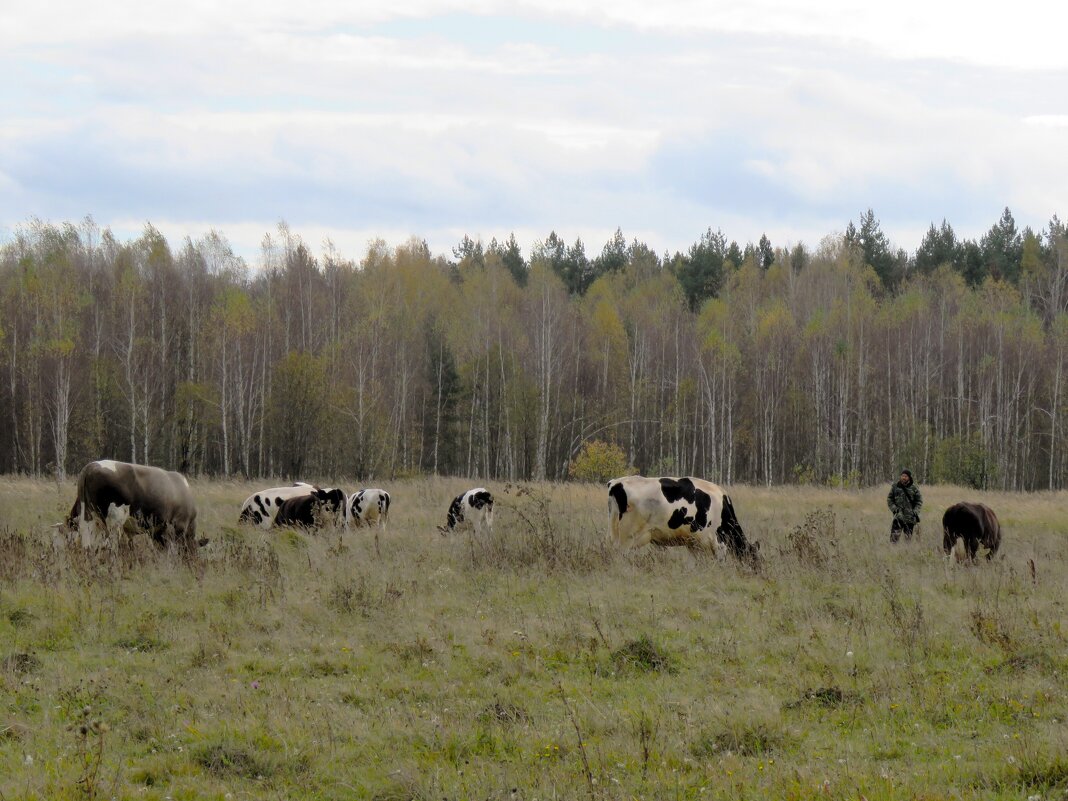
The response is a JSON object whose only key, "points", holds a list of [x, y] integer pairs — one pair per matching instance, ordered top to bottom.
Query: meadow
{"points": [[536, 662]]}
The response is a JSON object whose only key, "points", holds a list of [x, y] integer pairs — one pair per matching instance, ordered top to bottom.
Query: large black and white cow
{"points": [[110, 493], [262, 507], [320, 507], [367, 507], [472, 509], [676, 511], [966, 526]]}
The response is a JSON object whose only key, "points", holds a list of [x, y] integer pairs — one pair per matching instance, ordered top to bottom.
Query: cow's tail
{"points": [[81, 501]]}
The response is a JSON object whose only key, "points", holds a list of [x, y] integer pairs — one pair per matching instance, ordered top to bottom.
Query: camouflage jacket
{"points": [[905, 501]]}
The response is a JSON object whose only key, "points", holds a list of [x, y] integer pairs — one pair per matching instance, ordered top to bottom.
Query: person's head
{"points": [[906, 477]]}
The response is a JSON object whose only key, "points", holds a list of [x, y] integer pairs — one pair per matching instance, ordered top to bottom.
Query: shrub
{"points": [[599, 461], [645, 656]]}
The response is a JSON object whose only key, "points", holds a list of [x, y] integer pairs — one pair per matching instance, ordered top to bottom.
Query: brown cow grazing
{"points": [[158, 501], [320, 508], [966, 526]]}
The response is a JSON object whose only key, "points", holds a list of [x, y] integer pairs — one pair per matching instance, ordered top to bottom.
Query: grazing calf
{"points": [[110, 493], [368, 506], [262, 507], [320, 508], [473, 509], [676, 511], [966, 526]]}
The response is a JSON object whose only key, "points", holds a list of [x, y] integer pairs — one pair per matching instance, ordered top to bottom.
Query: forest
{"points": [[836, 365]]}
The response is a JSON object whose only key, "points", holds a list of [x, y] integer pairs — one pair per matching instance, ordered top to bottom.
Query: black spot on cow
{"points": [[678, 489], [619, 494], [480, 499], [277, 501], [703, 502], [356, 505], [257, 518], [679, 518]]}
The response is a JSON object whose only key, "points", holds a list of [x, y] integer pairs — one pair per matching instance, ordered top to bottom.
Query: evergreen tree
{"points": [[939, 246], [874, 247], [1002, 248], [469, 253], [765, 253], [734, 255], [613, 256], [511, 258], [970, 263], [700, 272]]}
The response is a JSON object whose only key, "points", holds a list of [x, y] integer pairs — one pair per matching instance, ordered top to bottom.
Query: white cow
{"points": [[368, 506], [473, 509], [675, 511]]}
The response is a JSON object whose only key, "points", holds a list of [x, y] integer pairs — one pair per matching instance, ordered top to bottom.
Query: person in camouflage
{"points": [[904, 501]]}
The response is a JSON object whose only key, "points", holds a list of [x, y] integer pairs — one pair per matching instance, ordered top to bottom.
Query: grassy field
{"points": [[536, 663]]}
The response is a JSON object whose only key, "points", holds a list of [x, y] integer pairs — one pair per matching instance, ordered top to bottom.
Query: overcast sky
{"points": [[385, 119]]}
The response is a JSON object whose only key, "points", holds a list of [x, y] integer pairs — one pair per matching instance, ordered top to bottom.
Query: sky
{"points": [[358, 121]]}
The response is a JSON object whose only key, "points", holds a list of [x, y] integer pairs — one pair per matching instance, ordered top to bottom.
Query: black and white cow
{"points": [[110, 493], [261, 507], [321, 507], [367, 507], [473, 509], [676, 511], [966, 526]]}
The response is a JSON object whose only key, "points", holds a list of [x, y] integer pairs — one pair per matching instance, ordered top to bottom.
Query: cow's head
{"points": [[330, 502], [730, 534]]}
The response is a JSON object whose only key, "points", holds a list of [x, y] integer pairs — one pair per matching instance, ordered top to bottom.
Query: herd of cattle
{"points": [[661, 511]]}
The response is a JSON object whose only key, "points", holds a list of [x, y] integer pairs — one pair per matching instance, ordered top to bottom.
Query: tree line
{"points": [[838, 364]]}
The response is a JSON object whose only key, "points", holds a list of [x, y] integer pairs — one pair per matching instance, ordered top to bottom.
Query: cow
{"points": [[158, 501], [368, 506], [261, 507], [318, 508], [472, 509], [676, 511], [966, 526]]}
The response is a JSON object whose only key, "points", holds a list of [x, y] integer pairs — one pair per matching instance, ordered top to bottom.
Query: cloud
{"points": [[444, 118]]}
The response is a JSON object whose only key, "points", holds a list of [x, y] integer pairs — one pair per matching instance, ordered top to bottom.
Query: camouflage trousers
{"points": [[897, 528]]}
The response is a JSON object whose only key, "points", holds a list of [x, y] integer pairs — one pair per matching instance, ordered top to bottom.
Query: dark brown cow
{"points": [[110, 493], [319, 508], [970, 525]]}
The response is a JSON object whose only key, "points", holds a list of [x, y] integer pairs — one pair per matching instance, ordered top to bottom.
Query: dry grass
{"points": [[535, 662]]}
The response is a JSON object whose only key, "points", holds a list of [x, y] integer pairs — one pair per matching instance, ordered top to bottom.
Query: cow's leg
{"points": [[116, 521], [86, 527], [625, 528], [706, 539]]}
